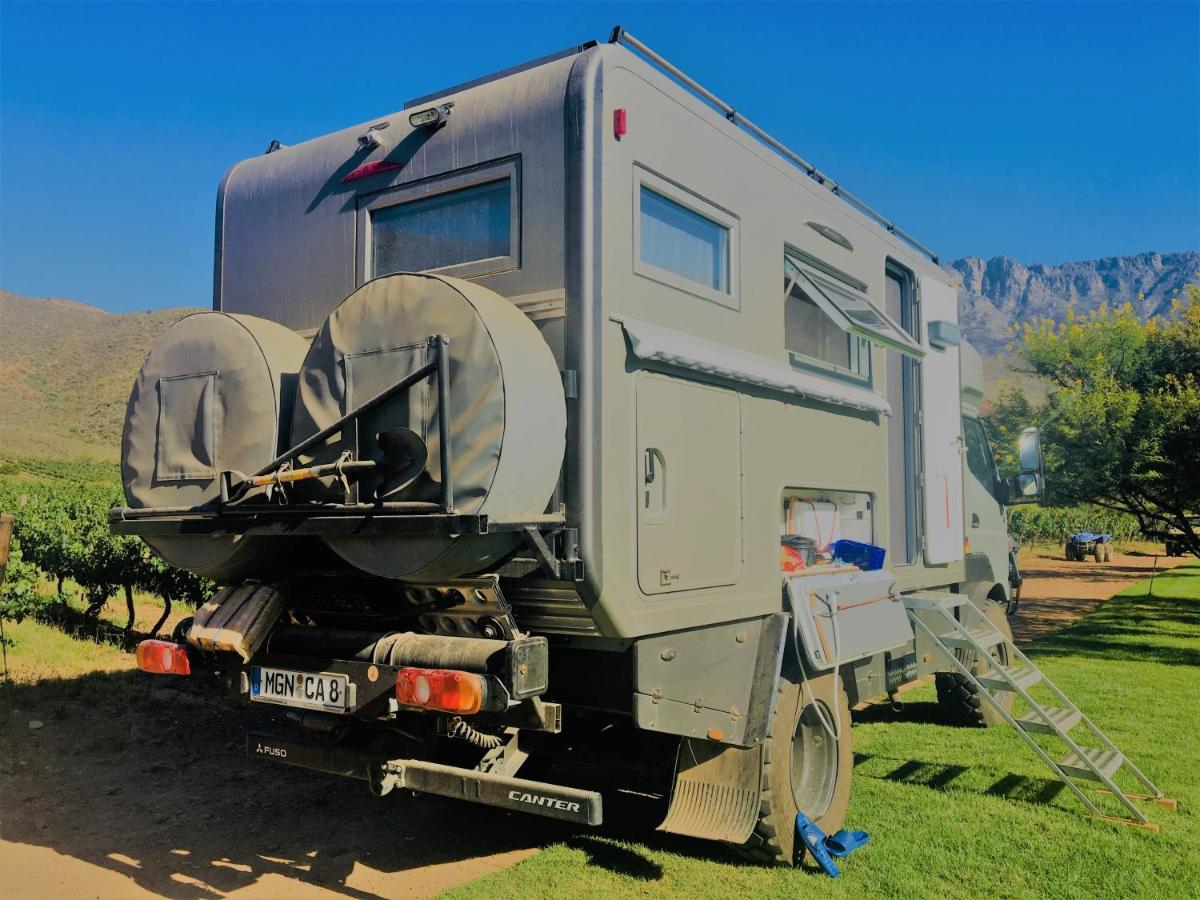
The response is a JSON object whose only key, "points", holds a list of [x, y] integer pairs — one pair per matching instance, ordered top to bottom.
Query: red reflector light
{"points": [[619, 123], [372, 168], [163, 658], [441, 689]]}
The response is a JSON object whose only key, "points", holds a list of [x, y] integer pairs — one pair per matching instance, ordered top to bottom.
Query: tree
{"points": [[1122, 420]]}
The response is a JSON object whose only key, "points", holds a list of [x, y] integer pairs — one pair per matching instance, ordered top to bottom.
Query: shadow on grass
{"points": [[1126, 628], [941, 777]]}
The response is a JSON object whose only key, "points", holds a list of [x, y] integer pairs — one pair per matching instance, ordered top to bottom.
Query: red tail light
{"points": [[620, 123], [163, 658], [441, 689]]}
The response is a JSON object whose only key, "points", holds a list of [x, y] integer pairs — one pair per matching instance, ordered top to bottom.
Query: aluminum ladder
{"points": [[951, 622]]}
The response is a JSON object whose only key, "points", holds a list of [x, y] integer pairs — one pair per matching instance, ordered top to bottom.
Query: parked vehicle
{"points": [[606, 352], [1172, 540], [1089, 545]]}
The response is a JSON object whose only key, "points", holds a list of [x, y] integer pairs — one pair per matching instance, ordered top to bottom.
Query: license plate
{"points": [[308, 690]]}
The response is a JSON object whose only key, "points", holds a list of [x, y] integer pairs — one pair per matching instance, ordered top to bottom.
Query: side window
{"points": [[683, 241], [979, 453]]}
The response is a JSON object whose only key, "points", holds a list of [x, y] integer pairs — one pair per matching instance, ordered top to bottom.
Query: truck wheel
{"points": [[1108, 552], [1069, 553], [1098, 554], [958, 698], [804, 768]]}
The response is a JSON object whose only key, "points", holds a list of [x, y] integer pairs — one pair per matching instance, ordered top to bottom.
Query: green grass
{"points": [[41, 653], [958, 812]]}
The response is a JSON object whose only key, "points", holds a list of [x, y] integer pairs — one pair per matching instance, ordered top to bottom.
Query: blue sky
{"points": [[1047, 132]]}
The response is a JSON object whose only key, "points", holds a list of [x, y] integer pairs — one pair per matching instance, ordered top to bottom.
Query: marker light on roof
{"points": [[434, 117]]}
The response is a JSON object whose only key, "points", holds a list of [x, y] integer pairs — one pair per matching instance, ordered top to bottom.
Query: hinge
{"points": [[570, 380]]}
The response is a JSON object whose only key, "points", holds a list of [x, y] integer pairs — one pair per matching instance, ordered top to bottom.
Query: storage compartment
{"points": [[825, 516], [868, 619]]}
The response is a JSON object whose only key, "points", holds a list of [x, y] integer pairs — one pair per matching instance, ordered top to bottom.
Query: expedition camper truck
{"points": [[604, 344]]}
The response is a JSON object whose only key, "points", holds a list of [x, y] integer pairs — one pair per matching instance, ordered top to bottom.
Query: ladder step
{"points": [[935, 601], [983, 636], [1024, 677], [1064, 720], [1107, 761]]}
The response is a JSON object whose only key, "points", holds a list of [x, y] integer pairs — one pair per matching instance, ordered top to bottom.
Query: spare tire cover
{"points": [[214, 393], [507, 413]]}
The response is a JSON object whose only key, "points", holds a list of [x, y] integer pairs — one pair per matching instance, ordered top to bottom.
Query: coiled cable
{"points": [[464, 732]]}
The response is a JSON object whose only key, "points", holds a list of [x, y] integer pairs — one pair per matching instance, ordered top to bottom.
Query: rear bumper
{"points": [[540, 798]]}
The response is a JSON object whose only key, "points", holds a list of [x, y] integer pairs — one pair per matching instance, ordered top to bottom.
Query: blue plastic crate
{"points": [[867, 557]]}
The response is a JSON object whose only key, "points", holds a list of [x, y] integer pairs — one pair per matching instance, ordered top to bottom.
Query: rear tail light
{"points": [[163, 658], [440, 689]]}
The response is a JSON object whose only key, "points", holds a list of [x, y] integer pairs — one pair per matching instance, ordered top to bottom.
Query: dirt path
{"points": [[1057, 592], [133, 788], [130, 789]]}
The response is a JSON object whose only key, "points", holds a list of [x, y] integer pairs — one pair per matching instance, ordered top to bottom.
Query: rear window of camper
{"points": [[452, 228]]}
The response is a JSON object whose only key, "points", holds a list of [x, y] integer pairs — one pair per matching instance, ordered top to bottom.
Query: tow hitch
{"points": [[540, 798]]}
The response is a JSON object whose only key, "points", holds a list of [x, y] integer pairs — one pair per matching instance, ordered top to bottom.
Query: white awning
{"points": [[655, 343]]}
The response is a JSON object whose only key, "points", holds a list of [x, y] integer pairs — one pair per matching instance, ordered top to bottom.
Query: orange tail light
{"points": [[163, 658], [441, 689]]}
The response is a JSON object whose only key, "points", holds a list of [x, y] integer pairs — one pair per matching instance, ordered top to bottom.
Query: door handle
{"points": [[651, 452], [974, 520]]}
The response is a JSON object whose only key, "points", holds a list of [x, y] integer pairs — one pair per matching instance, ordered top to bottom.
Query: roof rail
{"points": [[621, 36]]}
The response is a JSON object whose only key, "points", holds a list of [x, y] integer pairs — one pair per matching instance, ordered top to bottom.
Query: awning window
{"points": [[849, 309]]}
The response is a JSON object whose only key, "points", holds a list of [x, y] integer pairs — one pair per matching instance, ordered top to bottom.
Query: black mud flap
{"points": [[716, 791], [551, 800]]}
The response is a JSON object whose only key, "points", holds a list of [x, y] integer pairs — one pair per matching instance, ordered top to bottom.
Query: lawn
{"points": [[958, 812]]}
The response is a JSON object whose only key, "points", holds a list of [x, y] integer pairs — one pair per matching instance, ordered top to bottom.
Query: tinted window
{"points": [[447, 229], [679, 240], [979, 453]]}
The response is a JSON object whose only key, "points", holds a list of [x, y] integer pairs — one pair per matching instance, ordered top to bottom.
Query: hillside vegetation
{"points": [[65, 374]]}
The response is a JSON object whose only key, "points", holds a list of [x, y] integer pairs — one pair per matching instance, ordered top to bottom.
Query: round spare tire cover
{"points": [[214, 393], [507, 413]]}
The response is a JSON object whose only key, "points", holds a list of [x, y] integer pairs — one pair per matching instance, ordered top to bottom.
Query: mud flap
{"points": [[716, 791]]}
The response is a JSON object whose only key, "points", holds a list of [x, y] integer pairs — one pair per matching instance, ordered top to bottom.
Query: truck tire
{"points": [[1108, 551], [1098, 554], [958, 698], [804, 768]]}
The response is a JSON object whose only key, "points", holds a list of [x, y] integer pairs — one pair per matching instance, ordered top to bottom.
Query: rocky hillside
{"points": [[998, 293], [65, 373]]}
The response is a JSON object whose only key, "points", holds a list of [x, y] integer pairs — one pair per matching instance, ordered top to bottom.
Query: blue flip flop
{"points": [[814, 839], [845, 842]]}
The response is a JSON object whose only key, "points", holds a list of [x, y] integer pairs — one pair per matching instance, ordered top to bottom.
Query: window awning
{"points": [[850, 309], [668, 347]]}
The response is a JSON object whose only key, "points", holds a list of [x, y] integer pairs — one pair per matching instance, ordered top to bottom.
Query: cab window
{"points": [[979, 453]]}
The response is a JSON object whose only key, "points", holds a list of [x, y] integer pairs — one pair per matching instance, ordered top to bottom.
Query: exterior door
{"points": [[688, 484]]}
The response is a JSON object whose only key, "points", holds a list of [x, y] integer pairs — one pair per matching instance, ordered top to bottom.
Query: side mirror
{"points": [[1029, 448], [1028, 486]]}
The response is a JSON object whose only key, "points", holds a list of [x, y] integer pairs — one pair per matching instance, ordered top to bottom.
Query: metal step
{"points": [[935, 601], [986, 637], [1024, 678], [1064, 720], [1107, 761]]}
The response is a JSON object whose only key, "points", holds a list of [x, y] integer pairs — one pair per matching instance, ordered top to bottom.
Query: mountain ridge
{"points": [[996, 294]]}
